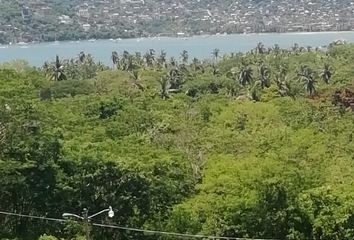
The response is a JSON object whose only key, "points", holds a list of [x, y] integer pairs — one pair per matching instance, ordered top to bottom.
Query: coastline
{"points": [[24, 44], [198, 46]]}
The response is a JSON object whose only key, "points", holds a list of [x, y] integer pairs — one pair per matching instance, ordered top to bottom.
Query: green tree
{"points": [[215, 54], [184, 56], [115, 58], [56, 70], [326, 73], [245, 75], [134, 76], [264, 77], [308, 78], [164, 86]]}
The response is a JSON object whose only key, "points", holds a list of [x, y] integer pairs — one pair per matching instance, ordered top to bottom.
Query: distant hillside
{"points": [[49, 20]]}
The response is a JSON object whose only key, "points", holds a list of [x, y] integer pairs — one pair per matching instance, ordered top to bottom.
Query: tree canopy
{"points": [[253, 145]]}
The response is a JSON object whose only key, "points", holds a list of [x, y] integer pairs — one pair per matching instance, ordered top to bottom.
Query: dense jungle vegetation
{"points": [[256, 145]]}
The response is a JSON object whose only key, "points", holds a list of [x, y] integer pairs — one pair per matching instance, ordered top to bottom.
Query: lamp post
{"points": [[86, 218]]}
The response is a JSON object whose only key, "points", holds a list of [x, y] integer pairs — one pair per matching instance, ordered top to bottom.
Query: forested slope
{"points": [[255, 145]]}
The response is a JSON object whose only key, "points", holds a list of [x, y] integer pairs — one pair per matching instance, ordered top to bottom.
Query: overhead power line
{"points": [[33, 217], [154, 232]]}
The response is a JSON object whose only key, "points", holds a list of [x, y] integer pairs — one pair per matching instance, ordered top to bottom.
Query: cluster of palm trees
{"points": [[128, 62], [81, 67], [175, 71], [252, 72], [243, 76], [284, 82]]}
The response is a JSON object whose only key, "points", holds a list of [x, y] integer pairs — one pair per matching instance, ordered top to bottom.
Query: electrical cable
{"points": [[179, 235]]}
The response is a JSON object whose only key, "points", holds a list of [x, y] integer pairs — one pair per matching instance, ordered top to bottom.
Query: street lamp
{"points": [[86, 218]]}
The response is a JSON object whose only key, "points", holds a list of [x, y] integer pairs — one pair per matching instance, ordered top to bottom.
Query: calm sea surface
{"points": [[197, 46]]}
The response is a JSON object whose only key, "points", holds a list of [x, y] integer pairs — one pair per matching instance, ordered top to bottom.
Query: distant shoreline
{"points": [[173, 37]]}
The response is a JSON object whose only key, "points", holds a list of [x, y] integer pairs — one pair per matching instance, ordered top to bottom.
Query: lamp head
{"points": [[110, 212]]}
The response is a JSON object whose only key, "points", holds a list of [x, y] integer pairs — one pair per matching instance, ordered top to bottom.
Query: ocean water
{"points": [[197, 46]]}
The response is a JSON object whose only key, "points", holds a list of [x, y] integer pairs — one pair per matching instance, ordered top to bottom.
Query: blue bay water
{"points": [[197, 46]]}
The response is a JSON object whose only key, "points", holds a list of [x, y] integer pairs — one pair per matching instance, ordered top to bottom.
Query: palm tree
{"points": [[295, 47], [260, 48], [276, 49], [152, 53], [215, 53], [184, 56], [82, 57], [115, 58], [138, 58], [150, 58], [89, 60], [161, 60], [127, 62], [173, 62], [130, 63], [196, 64], [100, 66], [46, 68], [183, 69], [282, 69], [57, 70], [216, 70], [326, 73], [233, 74], [245, 75], [134, 76], [264, 76], [175, 79], [308, 79], [310, 84], [233, 87], [285, 87], [164, 88], [254, 91]]}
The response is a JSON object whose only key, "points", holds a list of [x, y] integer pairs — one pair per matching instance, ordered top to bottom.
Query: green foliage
{"points": [[71, 88], [246, 146], [47, 237]]}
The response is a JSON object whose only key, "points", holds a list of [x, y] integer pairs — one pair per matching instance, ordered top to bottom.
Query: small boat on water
{"points": [[92, 40], [22, 43]]}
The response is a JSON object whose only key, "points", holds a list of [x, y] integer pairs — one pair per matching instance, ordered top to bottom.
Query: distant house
{"points": [[44, 11], [84, 13], [26, 14], [114, 16], [64, 19], [86, 26], [6, 28]]}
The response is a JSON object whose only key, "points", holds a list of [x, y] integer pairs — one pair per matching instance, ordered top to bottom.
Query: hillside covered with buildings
{"points": [[50, 20]]}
